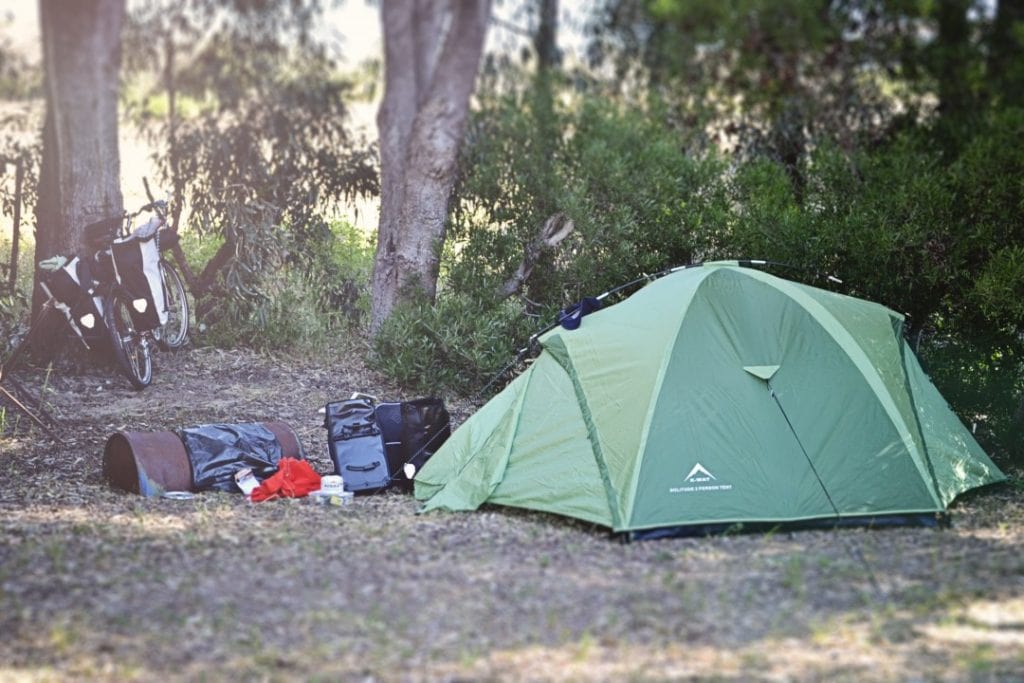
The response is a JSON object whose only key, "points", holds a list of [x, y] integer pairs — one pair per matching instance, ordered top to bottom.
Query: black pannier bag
{"points": [[137, 264], [73, 289], [412, 431], [355, 444], [371, 444]]}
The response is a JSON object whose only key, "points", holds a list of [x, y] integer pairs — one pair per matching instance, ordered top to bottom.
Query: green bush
{"points": [[988, 182], [637, 200], [883, 222], [999, 290], [14, 305], [302, 306], [13, 321], [456, 345], [982, 377]]}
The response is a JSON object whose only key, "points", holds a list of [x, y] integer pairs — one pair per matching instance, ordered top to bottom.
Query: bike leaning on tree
{"points": [[120, 293]]}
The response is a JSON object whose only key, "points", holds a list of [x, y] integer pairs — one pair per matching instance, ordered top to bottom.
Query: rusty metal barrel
{"points": [[150, 463]]}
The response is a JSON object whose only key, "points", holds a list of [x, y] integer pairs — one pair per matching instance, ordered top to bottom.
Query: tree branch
{"points": [[555, 230]]}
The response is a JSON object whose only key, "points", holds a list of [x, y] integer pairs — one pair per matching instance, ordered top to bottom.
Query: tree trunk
{"points": [[545, 40], [432, 53], [953, 58], [1005, 74], [79, 180]]}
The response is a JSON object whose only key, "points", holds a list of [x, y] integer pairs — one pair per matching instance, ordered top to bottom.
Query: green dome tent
{"points": [[716, 395]]}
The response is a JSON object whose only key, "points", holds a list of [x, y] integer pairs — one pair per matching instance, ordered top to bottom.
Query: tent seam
{"points": [[562, 358], [655, 392], [920, 429], [514, 431], [508, 449]]}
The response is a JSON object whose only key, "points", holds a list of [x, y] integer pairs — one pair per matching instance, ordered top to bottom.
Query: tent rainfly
{"points": [[717, 395]]}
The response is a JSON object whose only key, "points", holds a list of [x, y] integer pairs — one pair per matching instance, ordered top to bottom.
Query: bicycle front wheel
{"points": [[173, 334], [131, 348]]}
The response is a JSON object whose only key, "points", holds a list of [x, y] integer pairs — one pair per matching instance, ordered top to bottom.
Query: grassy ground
{"points": [[101, 585]]}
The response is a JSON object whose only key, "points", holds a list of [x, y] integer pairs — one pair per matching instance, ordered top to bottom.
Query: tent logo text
{"points": [[700, 479]]}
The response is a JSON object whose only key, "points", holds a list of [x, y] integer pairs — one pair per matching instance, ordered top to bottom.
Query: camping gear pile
{"points": [[717, 395], [376, 445], [372, 447], [202, 458]]}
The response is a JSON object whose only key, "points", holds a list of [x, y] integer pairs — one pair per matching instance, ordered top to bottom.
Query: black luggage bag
{"points": [[371, 444]]}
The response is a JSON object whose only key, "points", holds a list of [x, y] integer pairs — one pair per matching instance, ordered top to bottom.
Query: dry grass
{"points": [[99, 585]]}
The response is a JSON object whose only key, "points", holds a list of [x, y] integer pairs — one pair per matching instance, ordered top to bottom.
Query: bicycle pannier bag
{"points": [[137, 264], [73, 289], [412, 431], [370, 443], [355, 444]]}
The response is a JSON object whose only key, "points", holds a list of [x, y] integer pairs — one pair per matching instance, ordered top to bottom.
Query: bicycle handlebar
{"points": [[159, 207]]}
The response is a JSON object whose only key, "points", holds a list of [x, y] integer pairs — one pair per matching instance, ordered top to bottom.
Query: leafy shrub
{"points": [[260, 151], [988, 182], [637, 201], [882, 221], [340, 270], [999, 290], [15, 305], [300, 307], [282, 319], [13, 320], [456, 345], [982, 377]]}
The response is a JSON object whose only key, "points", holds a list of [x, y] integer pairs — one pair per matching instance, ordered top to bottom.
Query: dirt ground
{"points": [[100, 585]]}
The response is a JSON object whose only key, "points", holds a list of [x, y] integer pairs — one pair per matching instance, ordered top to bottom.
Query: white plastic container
{"points": [[332, 492]]}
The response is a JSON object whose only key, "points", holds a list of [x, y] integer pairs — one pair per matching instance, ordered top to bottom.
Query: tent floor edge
{"points": [[929, 520]]}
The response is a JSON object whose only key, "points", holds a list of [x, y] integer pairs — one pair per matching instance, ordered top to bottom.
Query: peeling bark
{"points": [[432, 52]]}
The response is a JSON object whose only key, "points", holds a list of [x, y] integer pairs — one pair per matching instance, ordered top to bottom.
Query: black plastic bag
{"points": [[217, 451]]}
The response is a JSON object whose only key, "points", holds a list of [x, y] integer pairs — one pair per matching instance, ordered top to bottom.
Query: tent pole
{"points": [[854, 552]]}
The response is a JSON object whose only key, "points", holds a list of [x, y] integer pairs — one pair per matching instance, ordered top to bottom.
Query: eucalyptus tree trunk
{"points": [[432, 52], [80, 175]]}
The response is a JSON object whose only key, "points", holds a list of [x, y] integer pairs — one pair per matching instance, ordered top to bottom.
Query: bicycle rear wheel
{"points": [[173, 334], [131, 349]]}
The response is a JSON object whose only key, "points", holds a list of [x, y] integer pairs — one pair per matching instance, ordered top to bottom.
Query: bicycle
{"points": [[121, 293]]}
